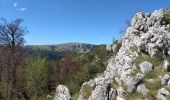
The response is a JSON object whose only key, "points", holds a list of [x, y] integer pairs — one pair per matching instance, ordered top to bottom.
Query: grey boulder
{"points": [[146, 67], [62, 93]]}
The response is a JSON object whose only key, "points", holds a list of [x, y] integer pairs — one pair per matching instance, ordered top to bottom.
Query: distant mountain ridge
{"points": [[58, 50]]}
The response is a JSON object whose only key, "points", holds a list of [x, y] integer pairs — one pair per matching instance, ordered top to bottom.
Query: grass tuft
{"points": [[87, 91]]}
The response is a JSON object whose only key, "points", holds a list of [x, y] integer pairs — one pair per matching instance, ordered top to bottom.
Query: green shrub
{"points": [[167, 15], [118, 46], [36, 76], [87, 91], [75, 96]]}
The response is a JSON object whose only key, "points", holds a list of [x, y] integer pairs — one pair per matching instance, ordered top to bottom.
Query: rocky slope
{"points": [[140, 70]]}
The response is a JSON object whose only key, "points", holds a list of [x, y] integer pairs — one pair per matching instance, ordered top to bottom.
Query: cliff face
{"points": [[141, 67]]}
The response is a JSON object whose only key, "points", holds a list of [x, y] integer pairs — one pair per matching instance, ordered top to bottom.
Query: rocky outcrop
{"points": [[148, 34], [62, 93]]}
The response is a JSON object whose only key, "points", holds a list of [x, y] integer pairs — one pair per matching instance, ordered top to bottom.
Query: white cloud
{"points": [[15, 4], [23, 9]]}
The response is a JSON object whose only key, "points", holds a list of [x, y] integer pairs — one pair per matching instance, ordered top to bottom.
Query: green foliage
{"points": [[167, 15], [118, 46], [54, 52], [156, 60], [90, 64], [134, 72], [155, 73], [36, 75], [151, 75], [153, 85], [153, 88], [87, 90], [75, 96], [134, 96], [39, 98]]}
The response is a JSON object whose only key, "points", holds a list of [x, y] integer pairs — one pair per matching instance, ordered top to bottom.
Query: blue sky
{"points": [[87, 21]]}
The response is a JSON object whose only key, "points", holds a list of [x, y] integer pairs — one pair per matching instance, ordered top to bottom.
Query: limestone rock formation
{"points": [[147, 33], [146, 41], [62, 93]]}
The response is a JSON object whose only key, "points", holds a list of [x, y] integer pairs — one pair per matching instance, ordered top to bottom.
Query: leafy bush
{"points": [[167, 15], [118, 46], [87, 90]]}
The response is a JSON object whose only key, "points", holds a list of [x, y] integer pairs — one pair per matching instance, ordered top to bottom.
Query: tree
{"points": [[11, 41], [36, 74]]}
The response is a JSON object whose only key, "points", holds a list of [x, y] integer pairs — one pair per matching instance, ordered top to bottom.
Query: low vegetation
{"points": [[167, 15], [118, 46], [156, 60], [84, 67], [36, 76], [153, 86], [87, 90], [75, 96], [134, 96]]}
